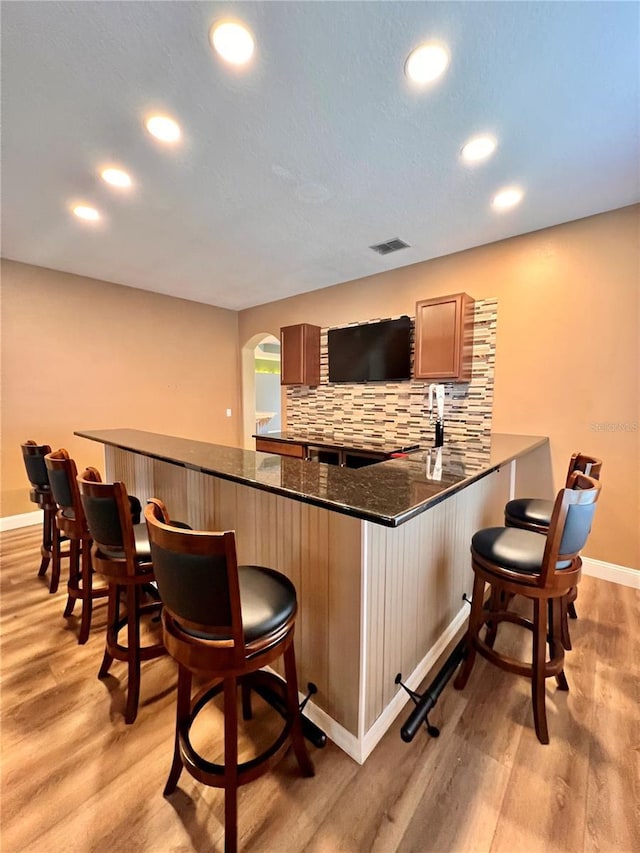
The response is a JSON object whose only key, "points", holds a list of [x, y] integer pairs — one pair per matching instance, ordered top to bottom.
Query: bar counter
{"points": [[388, 493], [379, 555]]}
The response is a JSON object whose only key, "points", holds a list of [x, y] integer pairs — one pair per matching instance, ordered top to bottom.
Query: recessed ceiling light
{"points": [[232, 41], [426, 63], [163, 128], [478, 148], [116, 177], [506, 198], [83, 211]]}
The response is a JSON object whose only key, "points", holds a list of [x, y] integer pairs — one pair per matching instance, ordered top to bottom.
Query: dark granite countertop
{"points": [[317, 439], [388, 493]]}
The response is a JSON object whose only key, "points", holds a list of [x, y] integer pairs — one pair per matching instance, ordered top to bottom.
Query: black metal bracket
{"points": [[311, 689], [416, 698], [424, 702]]}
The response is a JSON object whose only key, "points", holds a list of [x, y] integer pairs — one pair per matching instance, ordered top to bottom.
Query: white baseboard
{"points": [[25, 519], [611, 572], [334, 731]]}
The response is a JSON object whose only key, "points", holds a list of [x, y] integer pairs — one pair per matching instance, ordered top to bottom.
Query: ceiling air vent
{"points": [[389, 246]]}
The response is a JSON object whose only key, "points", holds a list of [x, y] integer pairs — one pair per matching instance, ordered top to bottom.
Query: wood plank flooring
{"points": [[75, 778]]}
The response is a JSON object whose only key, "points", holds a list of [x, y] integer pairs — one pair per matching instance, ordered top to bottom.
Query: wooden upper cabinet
{"points": [[444, 338], [300, 355]]}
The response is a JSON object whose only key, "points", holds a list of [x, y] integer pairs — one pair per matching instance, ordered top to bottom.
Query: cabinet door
{"points": [[444, 338], [300, 355], [282, 448]]}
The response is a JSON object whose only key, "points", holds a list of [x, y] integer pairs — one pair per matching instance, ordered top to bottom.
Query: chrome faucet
{"points": [[437, 391]]}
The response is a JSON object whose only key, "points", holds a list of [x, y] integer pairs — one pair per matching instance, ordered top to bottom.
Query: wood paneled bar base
{"points": [[379, 555]]}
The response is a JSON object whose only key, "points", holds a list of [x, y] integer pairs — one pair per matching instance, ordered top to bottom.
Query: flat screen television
{"points": [[371, 352]]}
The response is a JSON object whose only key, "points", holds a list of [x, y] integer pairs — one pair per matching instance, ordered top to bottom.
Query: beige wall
{"points": [[567, 344], [84, 354], [567, 354]]}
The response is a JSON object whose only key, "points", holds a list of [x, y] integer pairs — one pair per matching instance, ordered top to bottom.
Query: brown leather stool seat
{"points": [[543, 569], [223, 623]]}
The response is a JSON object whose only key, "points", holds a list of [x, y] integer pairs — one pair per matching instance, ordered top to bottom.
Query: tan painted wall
{"points": [[567, 344], [84, 354], [567, 354]]}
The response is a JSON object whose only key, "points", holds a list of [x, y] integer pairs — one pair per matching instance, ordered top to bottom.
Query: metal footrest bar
{"points": [[424, 702], [312, 733]]}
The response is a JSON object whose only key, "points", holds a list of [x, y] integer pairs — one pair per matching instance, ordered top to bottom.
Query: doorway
{"points": [[267, 386], [261, 390]]}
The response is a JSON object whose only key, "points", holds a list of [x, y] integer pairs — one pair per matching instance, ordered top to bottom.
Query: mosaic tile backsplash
{"points": [[400, 409]]}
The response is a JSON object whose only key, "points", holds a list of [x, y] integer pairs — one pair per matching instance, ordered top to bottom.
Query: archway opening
{"points": [[267, 386], [261, 390]]}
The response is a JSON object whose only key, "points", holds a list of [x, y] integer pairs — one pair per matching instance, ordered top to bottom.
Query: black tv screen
{"points": [[371, 352]]}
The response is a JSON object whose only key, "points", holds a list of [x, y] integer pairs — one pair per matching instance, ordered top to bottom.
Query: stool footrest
{"points": [[120, 652], [551, 667], [272, 689]]}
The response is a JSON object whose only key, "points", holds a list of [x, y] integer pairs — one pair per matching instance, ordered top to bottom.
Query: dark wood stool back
{"points": [[33, 455], [584, 464], [535, 514], [71, 521], [121, 554], [520, 562], [224, 622]]}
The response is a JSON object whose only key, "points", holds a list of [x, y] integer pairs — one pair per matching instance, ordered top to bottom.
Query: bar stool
{"points": [[33, 455], [535, 514], [71, 521], [120, 553], [543, 569], [224, 622]]}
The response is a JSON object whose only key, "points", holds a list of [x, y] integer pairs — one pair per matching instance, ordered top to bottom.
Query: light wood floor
{"points": [[75, 778]]}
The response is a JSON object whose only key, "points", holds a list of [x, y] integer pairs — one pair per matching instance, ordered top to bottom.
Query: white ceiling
{"points": [[291, 169]]}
